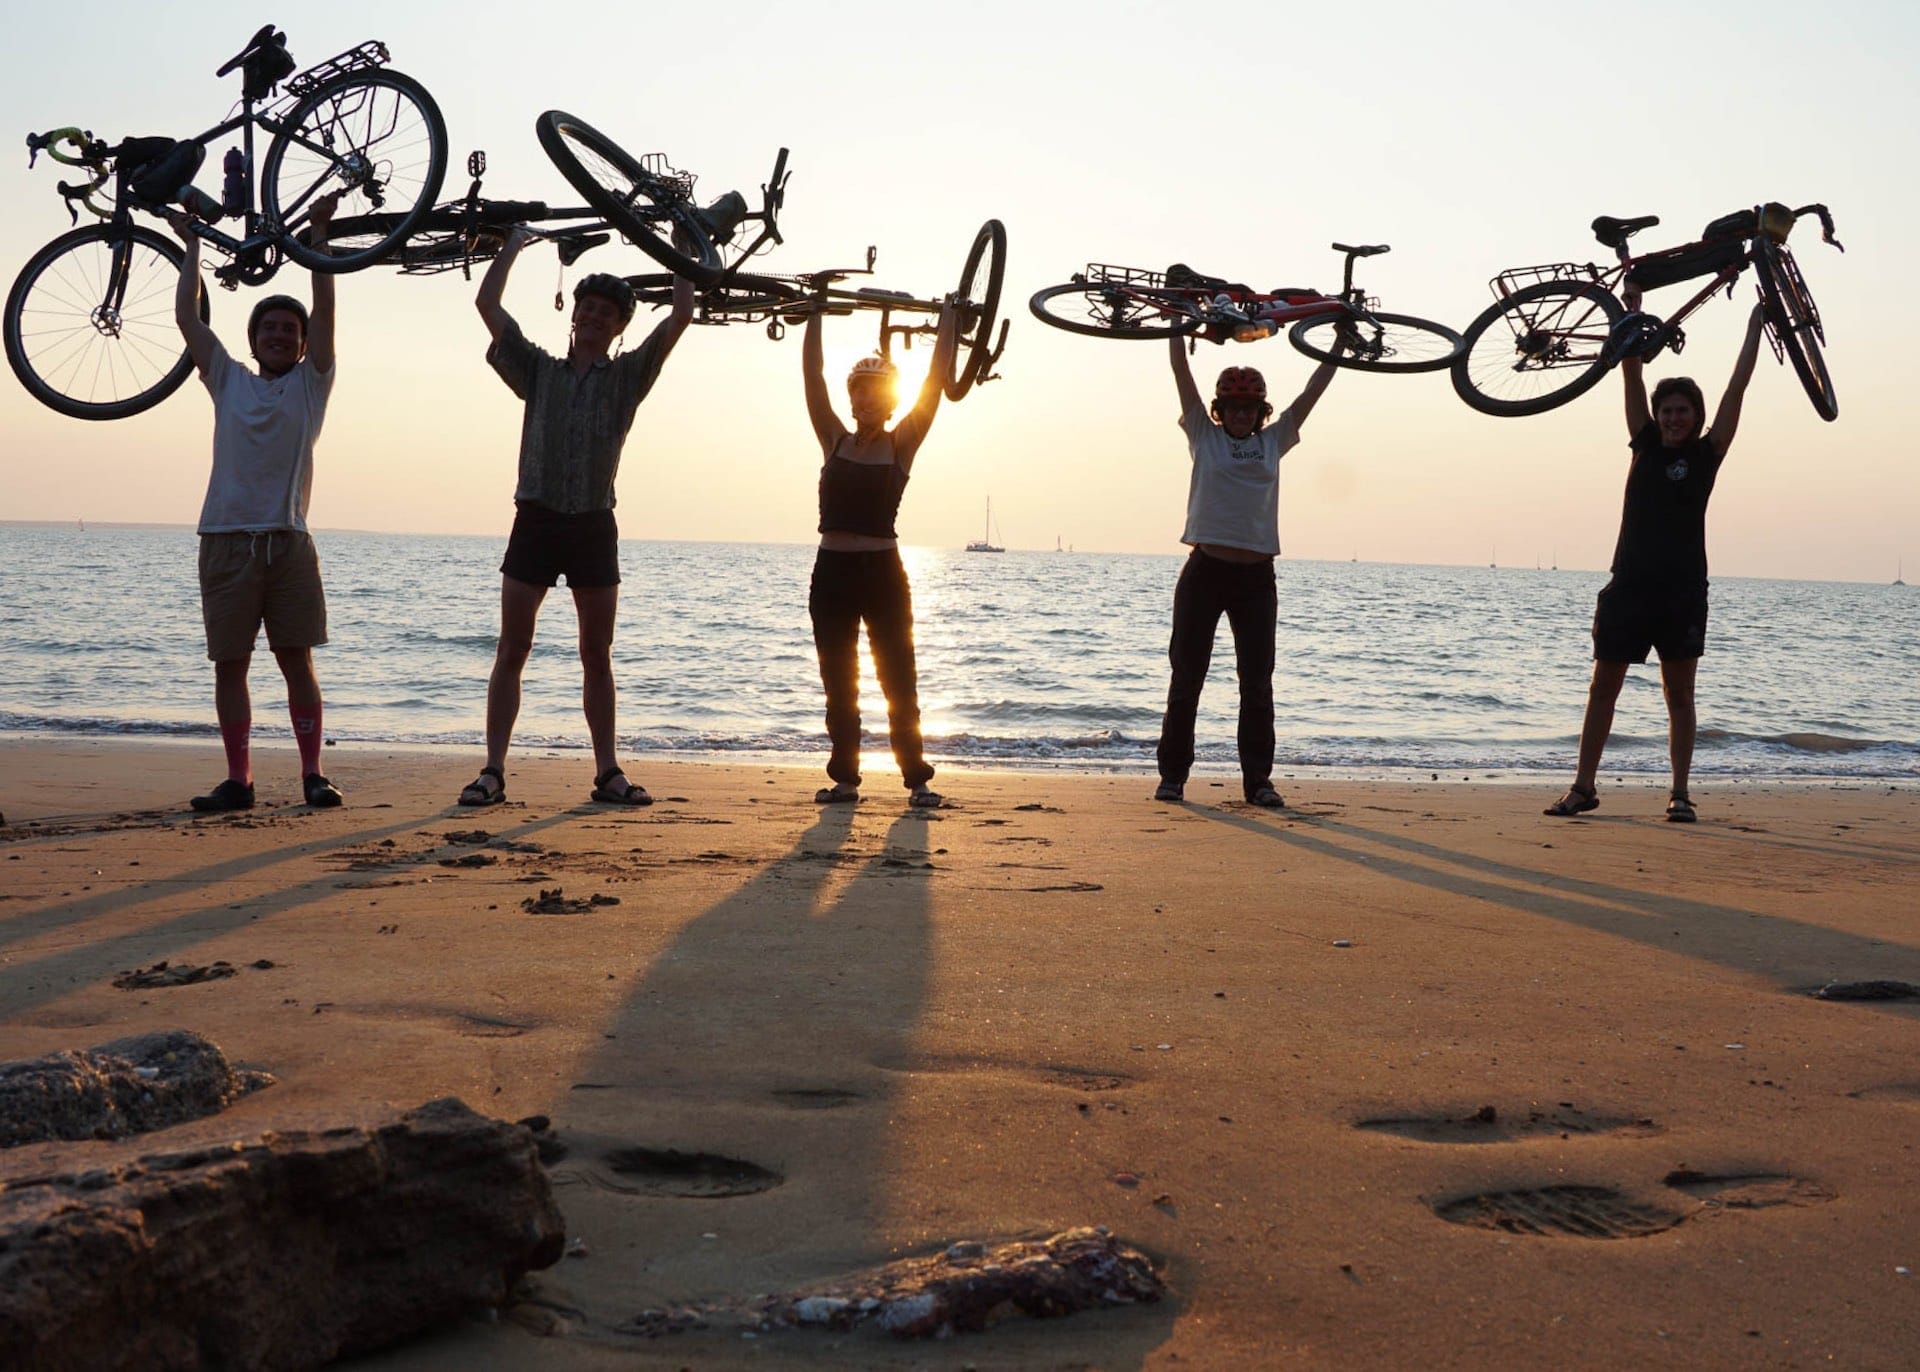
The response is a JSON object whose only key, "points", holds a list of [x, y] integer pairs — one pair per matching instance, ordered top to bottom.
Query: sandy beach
{"points": [[1403, 1076]]}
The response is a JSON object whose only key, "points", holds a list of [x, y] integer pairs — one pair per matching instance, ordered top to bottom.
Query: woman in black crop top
{"points": [[857, 575], [1657, 598]]}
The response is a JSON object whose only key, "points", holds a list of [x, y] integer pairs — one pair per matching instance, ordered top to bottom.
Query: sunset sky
{"points": [[1241, 138]]}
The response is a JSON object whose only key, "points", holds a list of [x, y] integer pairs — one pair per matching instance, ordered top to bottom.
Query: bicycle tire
{"points": [[390, 121], [639, 204], [981, 277], [742, 294], [1101, 311], [1795, 322], [56, 328], [1402, 343], [1537, 349]]}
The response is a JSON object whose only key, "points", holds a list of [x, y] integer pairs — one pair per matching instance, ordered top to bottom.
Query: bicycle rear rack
{"points": [[369, 54], [1105, 274], [1519, 278]]}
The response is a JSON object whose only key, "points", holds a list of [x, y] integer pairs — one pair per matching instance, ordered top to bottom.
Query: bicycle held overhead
{"points": [[777, 301], [88, 324], [1346, 328], [1555, 329]]}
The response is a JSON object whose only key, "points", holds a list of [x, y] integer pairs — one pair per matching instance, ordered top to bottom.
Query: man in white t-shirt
{"points": [[1233, 527], [257, 562]]}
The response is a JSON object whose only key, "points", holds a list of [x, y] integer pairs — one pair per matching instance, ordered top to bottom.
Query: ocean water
{"points": [[1026, 659]]}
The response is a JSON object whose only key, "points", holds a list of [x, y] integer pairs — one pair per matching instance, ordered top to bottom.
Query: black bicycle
{"points": [[736, 297], [89, 326], [1554, 330]]}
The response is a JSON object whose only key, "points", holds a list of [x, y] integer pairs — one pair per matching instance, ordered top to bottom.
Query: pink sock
{"points": [[306, 733], [236, 738]]}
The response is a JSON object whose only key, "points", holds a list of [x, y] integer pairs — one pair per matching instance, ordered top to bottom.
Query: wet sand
{"points": [[1404, 1076]]}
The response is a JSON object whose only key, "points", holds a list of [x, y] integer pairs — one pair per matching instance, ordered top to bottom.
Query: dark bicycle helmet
{"points": [[608, 287], [277, 302], [1240, 383]]}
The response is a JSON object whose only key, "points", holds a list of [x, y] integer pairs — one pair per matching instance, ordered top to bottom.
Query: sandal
{"points": [[1173, 791], [476, 792], [840, 793], [626, 795], [923, 799], [1267, 799], [1574, 802], [1680, 809]]}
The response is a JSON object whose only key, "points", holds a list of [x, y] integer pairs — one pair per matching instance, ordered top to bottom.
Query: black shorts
{"points": [[546, 545], [1628, 620]]}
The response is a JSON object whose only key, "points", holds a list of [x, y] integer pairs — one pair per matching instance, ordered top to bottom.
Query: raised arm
{"points": [[494, 284], [186, 295], [320, 322], [667, 332], [813, 370], [1315, 388], [1190, 401], [1639, 412], [1726, 419], [911, 431]]}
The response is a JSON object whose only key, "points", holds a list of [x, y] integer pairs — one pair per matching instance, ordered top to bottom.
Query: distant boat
{"points": [[82, 523], [985, 544], [1056, 544], [1898, 568]]}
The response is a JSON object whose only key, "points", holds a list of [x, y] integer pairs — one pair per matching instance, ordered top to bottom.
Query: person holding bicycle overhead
{"points": [[578, 411], [1233, 527], [257, 561], [857, 574], [1657, 597]]}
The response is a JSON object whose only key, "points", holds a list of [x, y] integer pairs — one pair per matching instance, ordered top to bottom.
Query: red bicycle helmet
{"points": [[1240, 383]]}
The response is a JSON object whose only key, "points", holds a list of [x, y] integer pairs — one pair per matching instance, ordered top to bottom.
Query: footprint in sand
{"points": [[1490, 1125], [639, 1171], [1602, 1212]]}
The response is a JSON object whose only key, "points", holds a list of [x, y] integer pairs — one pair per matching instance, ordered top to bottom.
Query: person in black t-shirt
{"points": [[1658, 595]]}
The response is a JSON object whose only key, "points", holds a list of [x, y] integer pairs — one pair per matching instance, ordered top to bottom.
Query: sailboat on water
{"points": [[985, 543], [1898, 568]]}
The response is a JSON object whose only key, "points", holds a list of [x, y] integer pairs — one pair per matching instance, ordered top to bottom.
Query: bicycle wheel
{"points": [[375, 134], [649, 209], [742, 295], [979, 295], [1111, 311], [1795, 322], [89, 323], [1391, 343], [1540, 347]]}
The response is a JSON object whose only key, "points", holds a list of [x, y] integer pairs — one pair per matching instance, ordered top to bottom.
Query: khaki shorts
{"points": [[248, 579]]}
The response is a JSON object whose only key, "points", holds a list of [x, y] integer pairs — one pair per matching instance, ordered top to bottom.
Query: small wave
{"points": [[1806, 742]]}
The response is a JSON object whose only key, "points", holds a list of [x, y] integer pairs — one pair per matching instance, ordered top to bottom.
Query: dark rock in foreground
{"points": [[1869, 990], [125, 1087], [283, 1251]]}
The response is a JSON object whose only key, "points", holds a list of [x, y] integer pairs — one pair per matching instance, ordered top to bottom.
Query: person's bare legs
{"points": [[595, 606], [519, 610], [296, 665], [1676, 679], [1602, 691], [232, 705]]}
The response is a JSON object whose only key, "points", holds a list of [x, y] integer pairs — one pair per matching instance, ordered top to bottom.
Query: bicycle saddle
{"points": [[267, 36], [1613, 233], [1372, 250], [1182, 277]]}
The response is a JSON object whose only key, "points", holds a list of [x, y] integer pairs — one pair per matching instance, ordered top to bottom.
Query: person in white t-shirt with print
{"points": [[1233, 527], [257, 561]]}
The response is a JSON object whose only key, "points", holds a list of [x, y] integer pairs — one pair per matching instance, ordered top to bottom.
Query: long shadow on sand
{"points": [[1794, 954], [30, 981], [758, 1041]]}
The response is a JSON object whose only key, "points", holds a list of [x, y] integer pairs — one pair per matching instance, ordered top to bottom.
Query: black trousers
{"points": [[851, 589], [1244, 592]]}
